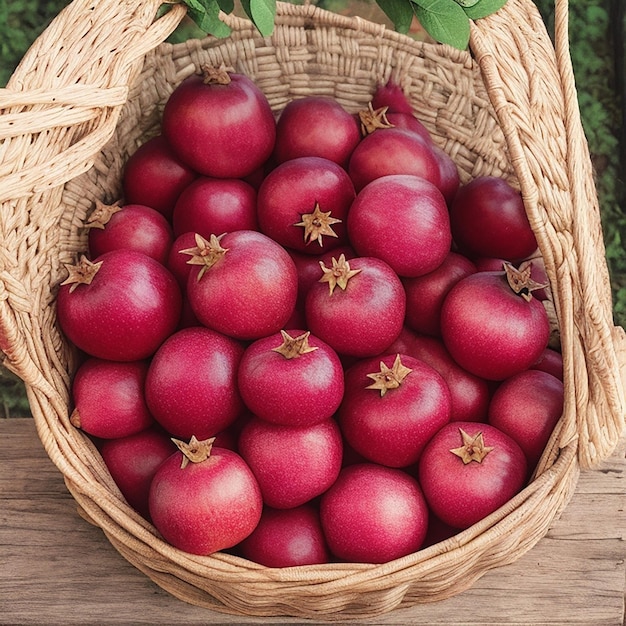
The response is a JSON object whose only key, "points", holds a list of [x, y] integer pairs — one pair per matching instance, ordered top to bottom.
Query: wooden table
{"points": [[57, 569]]}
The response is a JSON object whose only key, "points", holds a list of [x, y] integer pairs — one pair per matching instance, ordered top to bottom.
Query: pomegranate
{"points": [[391, 96], [396, 108], [220, 124], [316, 126], [393, 151], [155, 177], [303, 204], [214, 205], [488, 218], [402, 220], [133, 226], [242, 284], [425, 294], [357, 306], [119, 307], [491, 324], [551, 361], [291, 378], [191, 385], [469, 394], [108, 398], [392, 406], [527, 407], [133, 461], [292, 464], [468, 470], [204, 499], [373, 514], [287, 538]]}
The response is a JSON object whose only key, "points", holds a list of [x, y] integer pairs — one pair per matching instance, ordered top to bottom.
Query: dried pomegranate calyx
{"points": [[212, 75], [372, 119], [101, 215], [317, 224], [207, 252], [82, 273], [338, 274], [520, 281], [293, 347], [389, 377], [75, 419], [473, 448], [195, 451]]}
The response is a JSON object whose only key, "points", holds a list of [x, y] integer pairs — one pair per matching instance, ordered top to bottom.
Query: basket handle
{"points": [[75, 77], [55, 83], [580, 192], [570, 236]]}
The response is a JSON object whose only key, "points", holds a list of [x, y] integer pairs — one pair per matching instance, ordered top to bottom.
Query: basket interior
{"points": [[445, 88]]}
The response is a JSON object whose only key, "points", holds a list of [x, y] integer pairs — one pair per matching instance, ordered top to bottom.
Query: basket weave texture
{"points": [[92, 89]]}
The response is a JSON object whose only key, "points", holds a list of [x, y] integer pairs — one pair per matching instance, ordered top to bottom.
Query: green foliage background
{"points": [[597, 33]]}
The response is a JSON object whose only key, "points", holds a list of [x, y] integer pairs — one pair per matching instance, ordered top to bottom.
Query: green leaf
{"points": [[228, 6], [483, 8], [400, 12], [206, 14], [262, 14], [445, 21]]}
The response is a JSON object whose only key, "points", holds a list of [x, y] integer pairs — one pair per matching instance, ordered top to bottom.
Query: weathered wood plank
{"points": [[57, 569]]}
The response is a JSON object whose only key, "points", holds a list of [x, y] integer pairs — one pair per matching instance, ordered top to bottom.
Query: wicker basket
{"points": [[92, 88]]}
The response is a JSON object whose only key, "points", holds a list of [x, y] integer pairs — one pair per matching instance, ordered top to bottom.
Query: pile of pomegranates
{"points": [[304, 339]]}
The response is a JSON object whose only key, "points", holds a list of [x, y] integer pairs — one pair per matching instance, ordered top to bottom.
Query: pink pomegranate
{"points": [[220, 124], [316, 126], [393, 151], [154, 176], [303, 204], [215, 206], [132, 227], [414, 237], [242, 284], [425, 294], [121, 306], [357, 307], [491, 324], [291, 378], [191, 385], [469, 394], [109, 398], [527, 407], [391, 408], [133, 462], [292, 464], [469, 470], [204, 499], [373, 514], [287, 538]]}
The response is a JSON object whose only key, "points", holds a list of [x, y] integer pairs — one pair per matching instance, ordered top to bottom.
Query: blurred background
{"points": [[597, 34]]}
